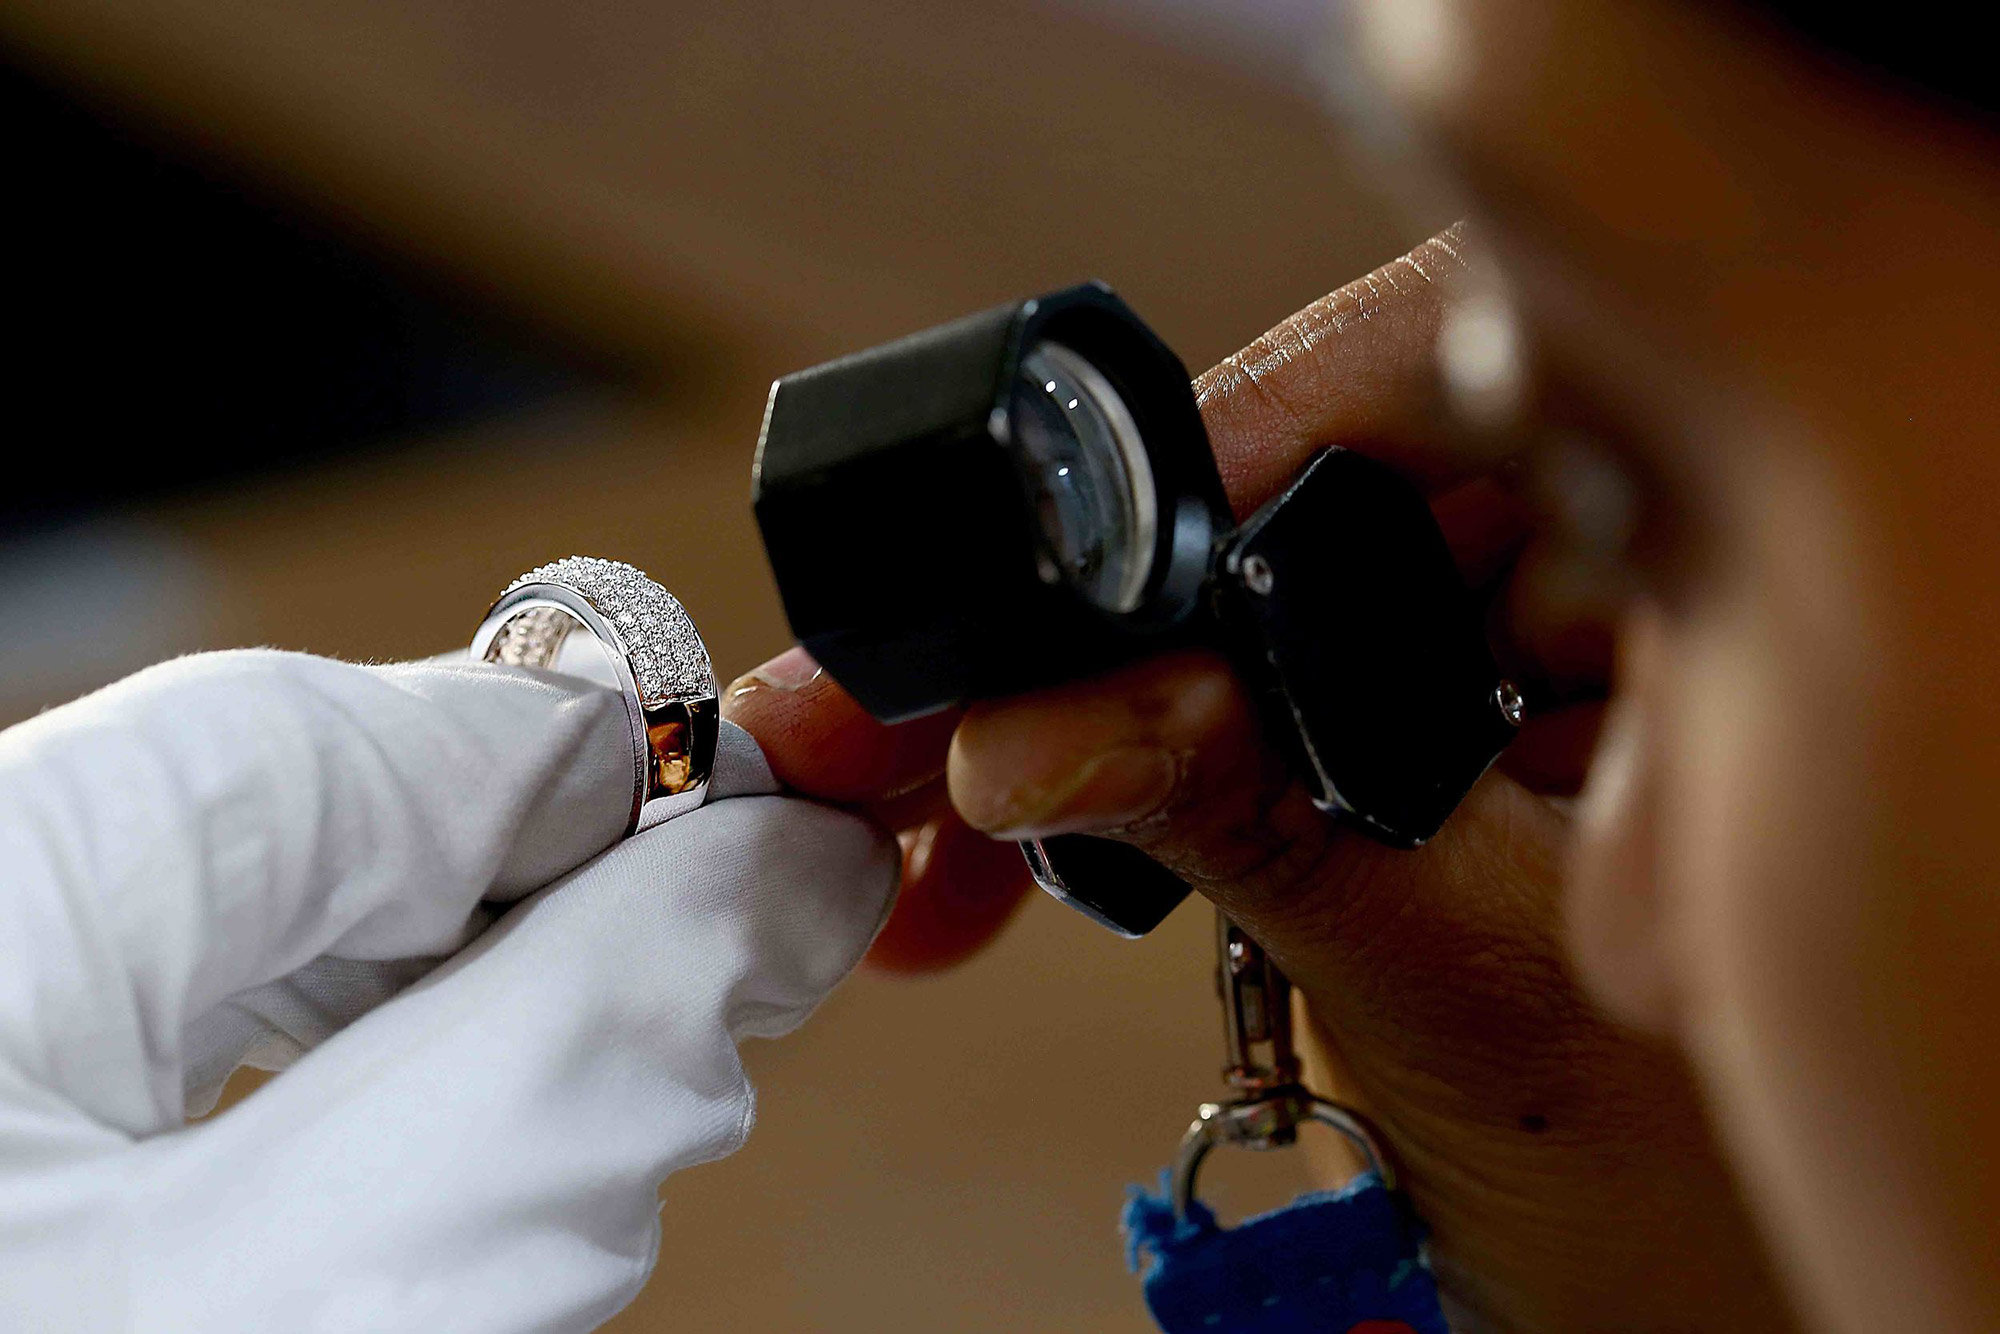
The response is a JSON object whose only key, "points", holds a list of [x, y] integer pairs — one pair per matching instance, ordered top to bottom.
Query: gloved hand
{"points": [[278, 857]]}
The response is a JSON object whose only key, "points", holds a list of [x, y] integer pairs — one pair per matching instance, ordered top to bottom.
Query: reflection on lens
{"points": [[1088, 475]]}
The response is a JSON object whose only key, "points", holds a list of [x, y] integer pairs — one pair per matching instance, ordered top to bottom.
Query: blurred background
{"points": [[334, 315]]}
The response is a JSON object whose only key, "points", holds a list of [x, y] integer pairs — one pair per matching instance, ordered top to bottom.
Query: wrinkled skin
{"points": [[1711, 1044]]}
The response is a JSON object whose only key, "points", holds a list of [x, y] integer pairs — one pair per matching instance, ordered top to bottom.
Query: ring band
{"points": [[656, 653]]}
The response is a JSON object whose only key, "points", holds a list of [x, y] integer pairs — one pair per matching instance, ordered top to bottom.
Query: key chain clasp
{"points": [[1256, 1018], [1271, 1104]]}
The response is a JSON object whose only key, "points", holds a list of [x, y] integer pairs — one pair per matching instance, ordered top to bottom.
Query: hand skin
{"points": [[1764, 290], [1438, 1000]]}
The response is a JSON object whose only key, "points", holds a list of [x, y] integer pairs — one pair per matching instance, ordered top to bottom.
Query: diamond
{"points": [[665, 650]]}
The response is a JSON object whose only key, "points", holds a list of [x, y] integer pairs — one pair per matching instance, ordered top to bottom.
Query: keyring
{"points": [[654, 651], [1271, 1103], [1266, 1120], [1353, 1258]]}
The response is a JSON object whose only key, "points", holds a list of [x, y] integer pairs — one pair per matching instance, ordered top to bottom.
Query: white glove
{"points": [[239, 854]]}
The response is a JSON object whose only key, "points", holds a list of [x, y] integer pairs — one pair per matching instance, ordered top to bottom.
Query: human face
{"points": [[1765, 292]]}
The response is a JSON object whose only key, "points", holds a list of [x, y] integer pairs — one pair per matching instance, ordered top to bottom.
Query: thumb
{"points": [[1167, 755]]}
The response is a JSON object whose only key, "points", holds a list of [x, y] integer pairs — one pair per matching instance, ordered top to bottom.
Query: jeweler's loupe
{"points": [[1028, 495]]}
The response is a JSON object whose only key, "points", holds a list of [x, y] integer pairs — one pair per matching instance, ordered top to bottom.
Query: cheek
{"points": [[1743, 799], [1766, 801], [1769, 815], [1689, 824], [1613, 911]]}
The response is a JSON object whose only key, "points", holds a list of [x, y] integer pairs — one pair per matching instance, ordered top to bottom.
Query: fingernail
{"points": [[789, 671], [1109, 791]]}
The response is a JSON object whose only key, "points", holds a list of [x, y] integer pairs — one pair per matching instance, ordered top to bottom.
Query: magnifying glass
{"points": [[1028, 495]]}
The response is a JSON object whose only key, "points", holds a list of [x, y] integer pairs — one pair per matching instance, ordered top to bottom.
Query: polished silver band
{"points": [[654, 652]]}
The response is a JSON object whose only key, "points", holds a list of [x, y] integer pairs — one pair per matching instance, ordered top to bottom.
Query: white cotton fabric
{"points": [[341, 869]]}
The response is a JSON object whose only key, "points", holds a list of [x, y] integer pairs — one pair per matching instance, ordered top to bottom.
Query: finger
{"points": [[1356, 368], [820, 742], [1167, 743], [1165, 755], [910, 810], [215, 823], [960, 889], [271, 1026], [540, 1087]]}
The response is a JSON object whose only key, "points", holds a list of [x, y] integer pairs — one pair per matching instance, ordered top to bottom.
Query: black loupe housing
{"points": [[1028, 495], [920, 561]]}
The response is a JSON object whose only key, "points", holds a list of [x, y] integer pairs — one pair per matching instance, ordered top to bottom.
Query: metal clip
{"points": [[1256, 1018], [1270, 1104]]}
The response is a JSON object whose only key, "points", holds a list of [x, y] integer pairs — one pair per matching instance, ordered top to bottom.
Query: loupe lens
{"points": [[1088, 475]]}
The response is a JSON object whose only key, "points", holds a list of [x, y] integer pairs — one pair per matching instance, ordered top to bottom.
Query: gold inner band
{"points": [[533, 638], [680, 734]]}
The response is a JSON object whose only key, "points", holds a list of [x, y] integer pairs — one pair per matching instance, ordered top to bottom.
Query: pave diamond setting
{"points": [[669, 661]]}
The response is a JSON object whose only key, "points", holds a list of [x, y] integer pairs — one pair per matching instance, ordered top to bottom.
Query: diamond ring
{"points": [[655, 656]]}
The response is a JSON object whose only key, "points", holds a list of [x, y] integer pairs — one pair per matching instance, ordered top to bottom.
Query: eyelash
{"points": [[1601, 488], [1610, 510]]}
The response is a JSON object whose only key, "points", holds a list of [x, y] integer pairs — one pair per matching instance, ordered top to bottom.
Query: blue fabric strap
{"points": [[1331, 1262]]}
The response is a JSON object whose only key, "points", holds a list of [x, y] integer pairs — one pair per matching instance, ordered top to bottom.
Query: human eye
{"points": [[1615, 504]]}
